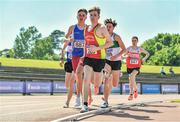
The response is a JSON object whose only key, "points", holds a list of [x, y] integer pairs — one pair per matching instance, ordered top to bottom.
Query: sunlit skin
{"points": [[81, 17], [94, 17], [110, 28], [102, 32], [132, 76], [113, 78]]}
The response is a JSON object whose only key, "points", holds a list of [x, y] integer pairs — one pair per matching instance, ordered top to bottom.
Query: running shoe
{"points": [[135, 94], [130, 97], [77, 102], [66, 105], [105, 105], [84, 109]]}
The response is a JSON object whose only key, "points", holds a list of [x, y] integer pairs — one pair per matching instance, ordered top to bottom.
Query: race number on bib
{"points": [[78, 44], [90, 52], [109, 52], [69, 56], [134, 61]]}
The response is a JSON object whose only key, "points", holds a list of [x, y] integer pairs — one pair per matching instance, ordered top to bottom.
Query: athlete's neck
{"points": [[94, 24], [81, 25], [110, 33], [134, 46]]}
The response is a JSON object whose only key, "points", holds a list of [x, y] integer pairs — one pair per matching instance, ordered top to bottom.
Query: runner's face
{"points": [[81, 17], [94, 17], [110, 27], [134, 42]]}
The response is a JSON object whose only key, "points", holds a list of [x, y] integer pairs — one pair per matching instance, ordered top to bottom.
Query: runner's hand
{"points": [[71, 40], [93, 48], [112, 58], [61, 62]]}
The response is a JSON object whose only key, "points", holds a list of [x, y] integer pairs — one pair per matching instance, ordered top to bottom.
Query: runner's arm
{"points": [[70, 31], [109, 42], [120, 42], [146, 53]]}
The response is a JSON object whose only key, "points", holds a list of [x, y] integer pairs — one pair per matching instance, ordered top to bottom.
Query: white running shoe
{"points": [[77, 102], [105, 105], [84, 109]]}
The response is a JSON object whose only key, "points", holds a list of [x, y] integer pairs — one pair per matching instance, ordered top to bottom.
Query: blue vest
{"points": [[78, 44], [69, 52]]}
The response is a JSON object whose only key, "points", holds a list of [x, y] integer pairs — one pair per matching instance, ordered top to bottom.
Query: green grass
{"points": [[30, 63], [55, 65]]}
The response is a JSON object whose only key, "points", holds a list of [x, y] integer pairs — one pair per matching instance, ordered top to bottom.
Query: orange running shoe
{"points": [[96, 90], [135, 94], [130, 97], [90, 100]]}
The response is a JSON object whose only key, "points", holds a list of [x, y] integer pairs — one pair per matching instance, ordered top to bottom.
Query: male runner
{"points": [[77, 32], [97, 39], [113, 60], [133, 63], [69, 76]]}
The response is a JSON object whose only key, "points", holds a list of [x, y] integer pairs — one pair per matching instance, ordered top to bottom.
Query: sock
{"points": [[78, 95]]}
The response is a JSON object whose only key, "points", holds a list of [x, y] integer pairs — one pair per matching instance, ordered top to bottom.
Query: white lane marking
{"points": [[28, 104], [14, 113]]}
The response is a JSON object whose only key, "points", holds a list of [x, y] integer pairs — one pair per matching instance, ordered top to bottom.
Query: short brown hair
{"points": [[95, 9], [82, 10], [113, 22], [135, 37]]}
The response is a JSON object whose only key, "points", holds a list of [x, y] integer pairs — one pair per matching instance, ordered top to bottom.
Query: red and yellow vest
{"points": [[92, 39]]}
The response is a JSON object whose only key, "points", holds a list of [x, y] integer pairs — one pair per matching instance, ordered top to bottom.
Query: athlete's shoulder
{"points": [[71, 27], [102, 27], [116, 36], [129, 47]]}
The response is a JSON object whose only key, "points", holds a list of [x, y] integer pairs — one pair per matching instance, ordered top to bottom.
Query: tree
{"points": [[57, 38], [25, 41], [43, 48], [164, 49]]}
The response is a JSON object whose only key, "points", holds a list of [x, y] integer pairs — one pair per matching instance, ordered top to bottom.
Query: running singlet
{"points": [[92, 39], [78, 43], [114, 49], [69, 52], [133, 60]]}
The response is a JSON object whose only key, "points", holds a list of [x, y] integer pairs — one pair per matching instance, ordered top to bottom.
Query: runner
{"points": [[77, 31], [97, 39], [113, 61], [133, 63], [69, 76]]}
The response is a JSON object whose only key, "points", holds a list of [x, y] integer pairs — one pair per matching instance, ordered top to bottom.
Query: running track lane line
{"points": [[101, 111]]}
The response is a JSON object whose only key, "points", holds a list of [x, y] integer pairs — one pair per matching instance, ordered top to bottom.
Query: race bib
{"points": [[78, 44], [90, 52], [109, 52], [69, 56], [134, 61]]}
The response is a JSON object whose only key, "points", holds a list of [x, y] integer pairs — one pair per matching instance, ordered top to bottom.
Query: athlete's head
{"points": [[94, 14], [82, 15], [110, 25], [134, 40]]}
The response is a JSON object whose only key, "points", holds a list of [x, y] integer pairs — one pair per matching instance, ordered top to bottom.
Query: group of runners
{"points": [[93, 56]]}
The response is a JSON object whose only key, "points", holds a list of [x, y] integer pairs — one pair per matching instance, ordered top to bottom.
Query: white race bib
{"points": [[78, 44], [90, 52], [109, 52], [69, 56], [134, 61]]}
